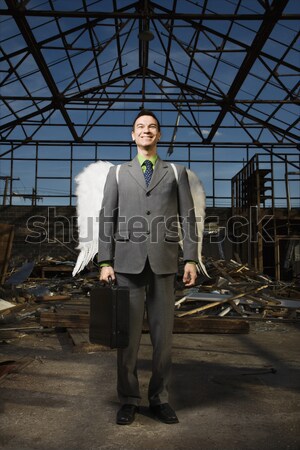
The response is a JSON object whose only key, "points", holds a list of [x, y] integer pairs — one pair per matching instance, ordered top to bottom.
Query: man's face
{"points": [[145, 133]]}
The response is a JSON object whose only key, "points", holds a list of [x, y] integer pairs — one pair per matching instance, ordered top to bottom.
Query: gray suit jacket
{"points": [[137, 222]]}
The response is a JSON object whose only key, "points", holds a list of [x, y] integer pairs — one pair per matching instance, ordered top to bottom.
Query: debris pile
{"points": [[235, 290], [43, 297]]}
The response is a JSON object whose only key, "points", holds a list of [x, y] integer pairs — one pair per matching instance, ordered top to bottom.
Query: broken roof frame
{"points": [[216, 78]]}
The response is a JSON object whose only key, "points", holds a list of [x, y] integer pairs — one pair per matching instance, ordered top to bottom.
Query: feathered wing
{"points": [[89, 191], [198, 195]]}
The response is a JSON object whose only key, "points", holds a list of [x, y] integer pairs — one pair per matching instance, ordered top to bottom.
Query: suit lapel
{"points": [[160, 170], [137, 173]]}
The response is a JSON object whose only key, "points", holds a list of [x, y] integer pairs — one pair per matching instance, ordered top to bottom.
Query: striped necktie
{"points": [[148, 172]]}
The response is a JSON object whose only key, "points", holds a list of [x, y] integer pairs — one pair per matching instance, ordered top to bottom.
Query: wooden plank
{"points": [[6, 240], [59, 268], [222, 271], [52, 298], [78, 302], [5, 305], [211, 305], [80, 307], [13, 310], [64, 319], [186, 325], [190, 325], [209, 325], [6, 335], [81, 341], [9, 366]]}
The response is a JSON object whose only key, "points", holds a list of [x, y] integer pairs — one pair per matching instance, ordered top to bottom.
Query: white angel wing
{"points": [[90, 186], [89, 191], [198, 195]]}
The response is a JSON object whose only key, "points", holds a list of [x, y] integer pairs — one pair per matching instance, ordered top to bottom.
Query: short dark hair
{"points": [[146, 112]]}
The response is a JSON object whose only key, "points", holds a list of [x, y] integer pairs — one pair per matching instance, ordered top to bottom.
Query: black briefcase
{"points": [[109, 315]]}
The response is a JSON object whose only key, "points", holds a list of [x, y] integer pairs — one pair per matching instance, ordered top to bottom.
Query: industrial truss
{"points": [[78, 71]]}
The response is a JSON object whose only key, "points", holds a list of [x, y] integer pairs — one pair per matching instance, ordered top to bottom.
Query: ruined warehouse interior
{"points": [[222, 77]]}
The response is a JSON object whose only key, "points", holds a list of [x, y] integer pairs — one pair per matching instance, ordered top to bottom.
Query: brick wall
{"points": [[42, 231]]}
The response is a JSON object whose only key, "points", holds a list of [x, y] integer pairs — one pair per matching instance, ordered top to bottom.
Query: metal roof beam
{"points": [[137, 15], [271, 17], [117, 26], [52, 38], [242, 44], [41, 63], [125, 99], [66, 100]]}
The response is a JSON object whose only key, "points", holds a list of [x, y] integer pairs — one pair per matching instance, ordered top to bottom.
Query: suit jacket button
{"points": [[148, 194], [148, 212]]}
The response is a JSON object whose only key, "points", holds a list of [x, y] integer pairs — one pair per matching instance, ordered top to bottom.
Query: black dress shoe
{"points": [[164, 413], [126, 414]]}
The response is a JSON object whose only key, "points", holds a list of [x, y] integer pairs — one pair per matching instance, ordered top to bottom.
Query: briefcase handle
{"points": [[111, 283]]}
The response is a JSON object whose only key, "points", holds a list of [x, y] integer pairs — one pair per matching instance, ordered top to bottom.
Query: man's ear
{"points": [[132, 135]]}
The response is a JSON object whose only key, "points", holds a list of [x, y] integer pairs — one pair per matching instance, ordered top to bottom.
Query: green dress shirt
{"points": [[142, 159]]}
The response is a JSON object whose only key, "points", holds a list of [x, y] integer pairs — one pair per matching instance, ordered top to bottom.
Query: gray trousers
{"points": [[156, 293]]}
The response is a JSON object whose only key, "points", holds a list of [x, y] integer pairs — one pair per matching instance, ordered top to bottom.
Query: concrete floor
{"points": [[223, 390]]}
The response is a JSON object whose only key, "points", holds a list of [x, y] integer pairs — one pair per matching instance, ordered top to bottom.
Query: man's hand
{"points": [[106, 273], [190, 274]]}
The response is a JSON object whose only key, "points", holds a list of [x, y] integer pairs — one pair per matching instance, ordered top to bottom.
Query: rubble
{"points": [[235, 290], [227, 302]]}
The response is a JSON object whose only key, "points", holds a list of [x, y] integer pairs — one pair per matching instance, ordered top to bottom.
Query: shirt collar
{"points": [[142, 159]]}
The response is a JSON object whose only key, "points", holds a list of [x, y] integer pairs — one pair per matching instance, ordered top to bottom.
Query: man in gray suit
{"points": [[138, 246]]}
